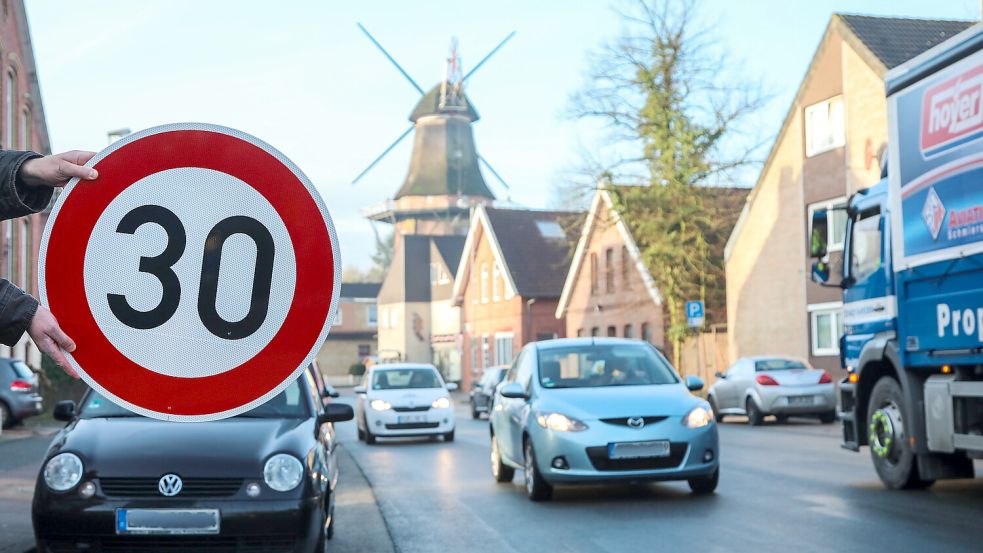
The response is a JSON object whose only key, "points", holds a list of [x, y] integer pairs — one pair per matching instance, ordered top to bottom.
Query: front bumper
{"points": [[776, 399], [391, 423], [585, 452], [67, 523]]}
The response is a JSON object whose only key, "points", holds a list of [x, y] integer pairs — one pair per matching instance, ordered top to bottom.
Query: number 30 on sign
{"points": [[197, 275]]}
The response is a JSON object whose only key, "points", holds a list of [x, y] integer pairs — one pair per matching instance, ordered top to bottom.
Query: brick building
{"points": [[22, 127], [828, 148], [509, 282], [353, 333]]}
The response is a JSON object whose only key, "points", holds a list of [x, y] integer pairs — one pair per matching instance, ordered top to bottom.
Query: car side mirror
{"points": [[820, 230], [719, 374], [694, 383], [452, 386], [359, 389], [513, 390], [330, 392], [64, 411], [336, 412]]}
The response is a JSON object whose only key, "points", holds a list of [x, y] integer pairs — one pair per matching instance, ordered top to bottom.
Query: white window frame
{"points": [[10, 103], [835, 130], [828, 205], [484, 283], [496, 283], [815, 310], [371, 315], [393, 318], [504, 347]]}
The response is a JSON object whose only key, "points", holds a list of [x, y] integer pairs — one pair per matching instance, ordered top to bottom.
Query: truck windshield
{"points": [[865, 247]]}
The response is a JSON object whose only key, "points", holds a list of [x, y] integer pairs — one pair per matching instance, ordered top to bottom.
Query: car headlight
{"points": [[441, 403], [379, 404], [700, 416], [559, 422], [63, 472], [283, 472]]}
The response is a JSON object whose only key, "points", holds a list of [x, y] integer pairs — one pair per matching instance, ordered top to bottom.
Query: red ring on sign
{"points": [[290, 346]]}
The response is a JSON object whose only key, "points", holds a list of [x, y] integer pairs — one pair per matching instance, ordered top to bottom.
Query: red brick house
{"points": [[509, 281]]}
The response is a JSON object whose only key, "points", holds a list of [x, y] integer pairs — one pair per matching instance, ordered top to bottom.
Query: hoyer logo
{"points": [[952, 112], [956, 322]]}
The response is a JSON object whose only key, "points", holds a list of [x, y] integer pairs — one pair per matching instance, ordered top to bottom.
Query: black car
{"points": [[483, 391], [261, 481]]}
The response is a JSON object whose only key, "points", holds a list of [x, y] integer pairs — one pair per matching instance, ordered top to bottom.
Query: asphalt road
{"points": [[783, 488]]}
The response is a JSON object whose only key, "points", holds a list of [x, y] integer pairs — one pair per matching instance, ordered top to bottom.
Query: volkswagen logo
{"points": [[636, 422], [170, 485]]}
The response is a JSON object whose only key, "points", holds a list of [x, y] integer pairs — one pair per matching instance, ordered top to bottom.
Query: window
{"points": [[9, 102], [824, 126], [25, 129], [836, 222], [550, 230], [865, 248], [25, 255], [625, 268], [609, 270], [433, 273], [593, 273], [484, 283], [496, 283], [371, 315], [338, 317], [393, 318], [827, 325], [595, 331], [612, 332], [629, 332], [581, 333], [646, 333], [540, 336], [503, 348], [364, 350], [474, 355], [485, 361], [591, 366], [405, 379]]}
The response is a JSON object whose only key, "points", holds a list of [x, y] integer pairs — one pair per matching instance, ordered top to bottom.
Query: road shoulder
{"points": [[359, 526]]}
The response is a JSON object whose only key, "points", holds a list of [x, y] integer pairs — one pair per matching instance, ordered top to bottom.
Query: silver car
{"points": [[780, 386], [589, 410]]}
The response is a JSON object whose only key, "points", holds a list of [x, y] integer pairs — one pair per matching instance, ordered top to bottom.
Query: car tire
{"points": [[474, 411], [754, 415], [717, 416], [828, 418], [6, 419], [361, 434], [369, 436], [449, 436], [892, 454], [501, 472], [703, 485], [537, 489], [326, 533]]}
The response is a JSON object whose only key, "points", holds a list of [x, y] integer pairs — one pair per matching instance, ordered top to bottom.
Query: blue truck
{"points": [[912, 277]]}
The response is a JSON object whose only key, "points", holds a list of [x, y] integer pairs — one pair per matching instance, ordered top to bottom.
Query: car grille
{"points": [[411, 409], [623, 421], [412, 425], [599, 458], [192, 487], [175, 544]]}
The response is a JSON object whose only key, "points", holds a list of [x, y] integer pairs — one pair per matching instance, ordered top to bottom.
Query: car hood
{"points": [[408, 397], [618, 401], [138, 446]]}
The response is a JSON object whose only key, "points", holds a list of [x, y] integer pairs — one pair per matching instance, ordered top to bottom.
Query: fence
{"points": [[704, 354]]}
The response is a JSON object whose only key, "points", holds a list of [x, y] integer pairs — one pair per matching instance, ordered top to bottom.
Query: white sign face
{"points": [[197, 275]]}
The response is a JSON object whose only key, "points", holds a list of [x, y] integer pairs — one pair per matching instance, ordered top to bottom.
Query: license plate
{"points": [[800, 400], [404, 419], [638, 450], [167, 521]]}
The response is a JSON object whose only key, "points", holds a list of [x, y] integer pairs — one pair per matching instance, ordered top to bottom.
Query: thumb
{"points": [[72, 170], [62, 339]]}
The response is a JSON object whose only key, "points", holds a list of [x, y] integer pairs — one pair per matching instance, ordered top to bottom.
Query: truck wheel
{"points": [[754, 415], [890, 449]]}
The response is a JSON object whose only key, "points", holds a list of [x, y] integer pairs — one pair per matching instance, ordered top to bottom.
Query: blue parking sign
{"points": [[694, 313]]}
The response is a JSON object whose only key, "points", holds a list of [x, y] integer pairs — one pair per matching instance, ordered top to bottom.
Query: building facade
{"points": [[22, 127], [828, 148], [509, 282], [353, 333]]}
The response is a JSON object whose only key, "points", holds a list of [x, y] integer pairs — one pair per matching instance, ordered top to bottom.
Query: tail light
{"points": [[825, 378], [766, 380], [21, 386]]}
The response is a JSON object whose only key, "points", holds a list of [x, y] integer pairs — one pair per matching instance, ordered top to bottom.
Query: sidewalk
{"points": [[359, 526]]}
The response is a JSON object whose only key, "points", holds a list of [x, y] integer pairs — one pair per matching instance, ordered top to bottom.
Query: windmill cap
{"points": [[456, 104]]}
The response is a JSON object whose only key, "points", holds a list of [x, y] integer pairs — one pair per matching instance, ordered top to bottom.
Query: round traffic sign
{"points": [[198, 274]]}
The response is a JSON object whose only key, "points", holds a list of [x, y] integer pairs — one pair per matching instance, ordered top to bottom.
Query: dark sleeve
{"points": [[16, 199], [17, 309]]}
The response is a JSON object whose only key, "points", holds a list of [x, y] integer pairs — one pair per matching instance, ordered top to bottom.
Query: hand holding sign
{"points": [[198, 275]]}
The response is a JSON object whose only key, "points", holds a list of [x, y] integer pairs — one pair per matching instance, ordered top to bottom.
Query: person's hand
{"points": [[57, 169], [50, 339]]}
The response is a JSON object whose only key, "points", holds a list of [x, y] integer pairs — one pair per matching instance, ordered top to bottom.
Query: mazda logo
{"points": [[636, 422], [170, 485]]}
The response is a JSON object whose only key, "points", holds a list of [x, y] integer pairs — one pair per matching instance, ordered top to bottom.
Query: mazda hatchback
{"points": [[590, 410]]}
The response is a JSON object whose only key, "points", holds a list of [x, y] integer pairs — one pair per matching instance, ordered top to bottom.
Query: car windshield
{"points": [[778, 365], [591, 366], [398, 379], [288, 404]]}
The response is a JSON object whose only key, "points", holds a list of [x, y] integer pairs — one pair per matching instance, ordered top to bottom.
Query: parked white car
{"points": [[780, 386], [403, 399]]}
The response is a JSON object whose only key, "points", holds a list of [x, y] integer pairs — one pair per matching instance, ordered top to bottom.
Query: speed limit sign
{"points": [[198, 274]]}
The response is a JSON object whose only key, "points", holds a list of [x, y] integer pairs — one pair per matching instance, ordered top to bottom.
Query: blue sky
{"points": [[300, 75]]}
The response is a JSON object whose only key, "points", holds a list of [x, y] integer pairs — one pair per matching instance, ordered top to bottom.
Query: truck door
{"points": [[868, 306]]}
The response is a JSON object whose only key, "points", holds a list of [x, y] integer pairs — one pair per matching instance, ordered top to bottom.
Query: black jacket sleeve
{"points": [[17, 307]]}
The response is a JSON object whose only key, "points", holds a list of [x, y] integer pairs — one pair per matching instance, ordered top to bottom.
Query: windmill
{"points": [[444, 181]]}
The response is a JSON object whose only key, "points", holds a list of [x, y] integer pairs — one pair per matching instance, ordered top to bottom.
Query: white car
{"points": [[404, 399]]}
